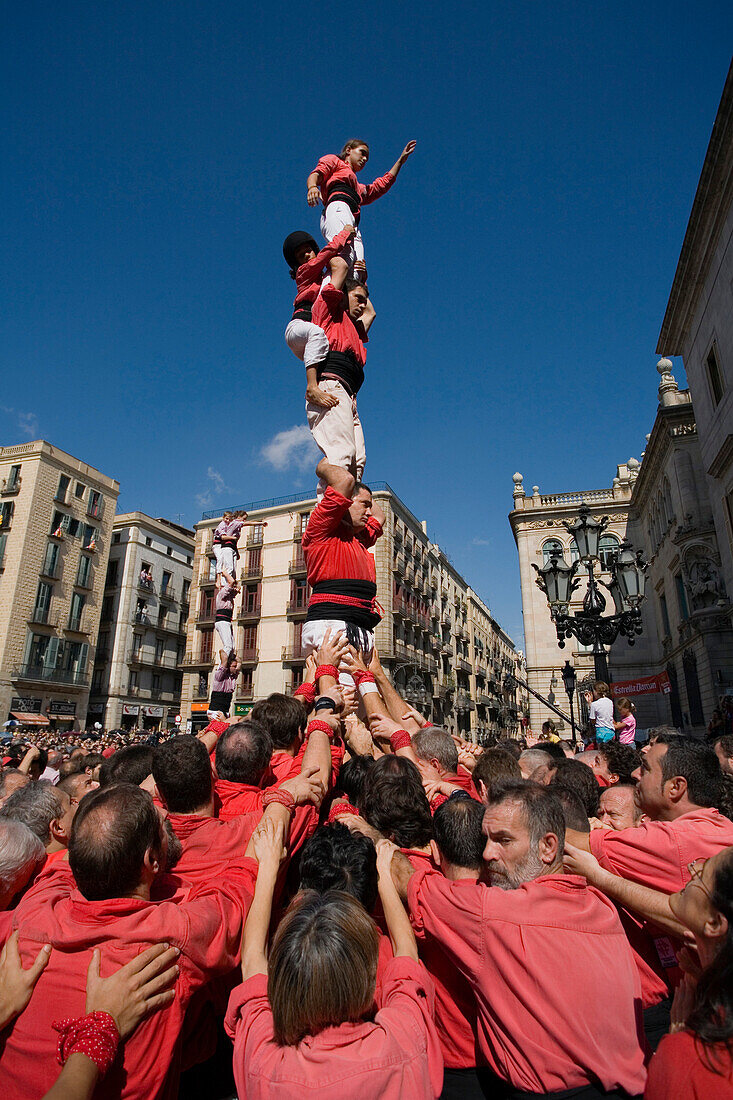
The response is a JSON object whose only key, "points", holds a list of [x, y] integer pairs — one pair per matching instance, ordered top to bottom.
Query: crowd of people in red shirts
{"points": [[308, 903]]}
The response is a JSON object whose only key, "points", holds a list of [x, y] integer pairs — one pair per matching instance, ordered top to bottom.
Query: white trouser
{"points": [[335, 217], [307, 341], [337, 432], [225, 560], [314, 633], [225, 634]]}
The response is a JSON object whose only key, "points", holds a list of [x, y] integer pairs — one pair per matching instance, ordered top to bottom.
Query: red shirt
{"points": [[332, 168], [309, 276], [329, 313], [333, 551], [237, 799], [210, 844], [206, 926], [538, 959], [394, 1057], [680, 1069]]}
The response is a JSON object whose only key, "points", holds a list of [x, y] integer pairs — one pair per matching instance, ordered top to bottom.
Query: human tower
{"points": [[332, 317]]}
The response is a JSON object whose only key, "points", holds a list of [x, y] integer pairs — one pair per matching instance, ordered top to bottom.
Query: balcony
{"points": [[10, 486], [397, 535], [255, 539], [399, 564], [297, 565], [252, 572], [207, 582], [168, 593], [297, 608], [250, 614], [42, 616], [205, 616], [78, 624], [167, 625], [447, 649], [250, 655], [294, 655], [154, 660], [190, 661], [463, 664], [42, 674], [483, 699]]}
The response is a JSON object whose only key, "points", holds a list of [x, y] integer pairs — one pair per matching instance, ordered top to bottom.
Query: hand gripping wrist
{"points": [[362, 676], [306, 692], [400, 739], [338, 809], [94, 1035]]}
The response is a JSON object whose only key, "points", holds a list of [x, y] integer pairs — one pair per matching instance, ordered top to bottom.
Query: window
{"points": [[715, 375], [13, 479], [63, 488], [79, 489], [94, 504], [6, 513], [63, 524], [89, 538], [116, 538], [3, 541], [148, 542], [607, 547], [551, 548], [169, 551], [188, 559], [51, 561], [84, 571], [112, 574], [167, 578], [185, 591], [299, 595], [681, 597], [251, 599], [43, 602], [77, 606], [207, 606], [664, 611], [106, 613], [162, 617], [249, 639], [207, 644], [103, 645], [137, 645], [159, 649], [43, 651], [74, 657], [97, 680], [246, 682], [134, 683], [155, 685]]}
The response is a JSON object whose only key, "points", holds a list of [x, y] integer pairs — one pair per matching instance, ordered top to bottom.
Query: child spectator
{"points": [[601, 711], [626, 728]]}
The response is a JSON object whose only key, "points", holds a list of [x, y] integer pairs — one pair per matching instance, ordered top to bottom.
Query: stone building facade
{"points": [[698, 325], [55, 536], [142, 638], [427, 638]]}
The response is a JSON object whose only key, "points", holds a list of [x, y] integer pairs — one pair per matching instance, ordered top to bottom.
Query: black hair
{"points": [[283, 715], [243, 752], [622, 760], [697, 763], [133, 764], [182, 773], [353, 776], [579, 778], [394, 802], [541, 807], [572, 808], [457, 825], [113, 828], [336, 859], [711, 1019]]}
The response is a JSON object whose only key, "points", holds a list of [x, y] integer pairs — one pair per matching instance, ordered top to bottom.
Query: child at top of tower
{"points": [[333, 181], [307, 267], [226, 537]]}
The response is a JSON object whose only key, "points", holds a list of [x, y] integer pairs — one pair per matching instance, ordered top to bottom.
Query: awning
{"points": [[63, 717], [29, 719]]}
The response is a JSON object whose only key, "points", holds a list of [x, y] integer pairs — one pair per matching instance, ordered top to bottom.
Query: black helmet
{"points": [[293, 243]]}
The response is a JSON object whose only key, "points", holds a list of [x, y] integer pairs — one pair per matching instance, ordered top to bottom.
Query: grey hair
{"points": [[436, 743], [535, 757], [36, 805], [20, 851]]}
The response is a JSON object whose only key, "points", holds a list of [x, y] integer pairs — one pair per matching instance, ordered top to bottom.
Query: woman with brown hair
{"points": [[305, 1019]]}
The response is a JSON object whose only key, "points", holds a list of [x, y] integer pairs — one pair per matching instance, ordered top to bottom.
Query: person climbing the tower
{"points": [[333, 181], [226, 537]]}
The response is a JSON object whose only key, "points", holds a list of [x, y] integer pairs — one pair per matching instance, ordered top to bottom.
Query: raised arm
{"points": [[402, 158], [336, 477], [269, 850], [398, 922]]}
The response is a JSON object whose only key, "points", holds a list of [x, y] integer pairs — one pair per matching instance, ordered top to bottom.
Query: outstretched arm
{"points": [[406, 152]]}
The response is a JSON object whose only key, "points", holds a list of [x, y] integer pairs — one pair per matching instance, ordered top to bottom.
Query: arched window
{"points": [[668, 499], [662, 505], [607, 547], [551, 548], [575, 555]]}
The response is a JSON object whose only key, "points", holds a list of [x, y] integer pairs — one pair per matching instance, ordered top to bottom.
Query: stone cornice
{"points": [[712, 202]]}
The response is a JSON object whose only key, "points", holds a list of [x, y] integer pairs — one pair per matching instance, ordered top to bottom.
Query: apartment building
{"points": [[56, 516], [424, 639], [136, 681]]}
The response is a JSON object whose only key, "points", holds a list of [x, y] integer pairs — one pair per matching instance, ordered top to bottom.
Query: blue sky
{"points": [[155, 157]]}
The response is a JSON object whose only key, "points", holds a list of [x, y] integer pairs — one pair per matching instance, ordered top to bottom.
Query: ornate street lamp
{"points": [[558, 581], [569, 680]]}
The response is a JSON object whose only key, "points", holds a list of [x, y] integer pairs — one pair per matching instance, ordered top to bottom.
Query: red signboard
{"points": [[645, 685]]}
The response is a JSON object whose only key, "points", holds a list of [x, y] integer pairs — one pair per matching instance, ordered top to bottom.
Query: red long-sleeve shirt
{"points": [[333, 169], [309, 276], [329, 313], [333, 551], [206, 925]]}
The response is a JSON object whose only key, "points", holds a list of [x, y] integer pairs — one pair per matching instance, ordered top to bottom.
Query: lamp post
{"points": [[558, 581], [569, 680]]}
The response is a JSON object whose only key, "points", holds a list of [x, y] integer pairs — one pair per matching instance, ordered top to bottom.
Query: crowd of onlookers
{"points": [[335, 898]]}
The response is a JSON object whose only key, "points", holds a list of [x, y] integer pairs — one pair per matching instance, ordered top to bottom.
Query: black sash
{"points": [[341, 191], [343, 366], [365, 591], [224, 615], [220, 700]]}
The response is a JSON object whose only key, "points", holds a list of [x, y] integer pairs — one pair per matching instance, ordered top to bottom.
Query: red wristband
{"points": [[327, 670], [360, 676], [307, 692], [319, 724], [427, 725], [217, 727], [400, 739], [277, 794], [338, 809], [94, 1035]]}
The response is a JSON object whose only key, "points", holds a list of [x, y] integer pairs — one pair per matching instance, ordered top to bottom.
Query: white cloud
{"points": [[26, 422], [293, 447], [215, 489], [481, 542]]}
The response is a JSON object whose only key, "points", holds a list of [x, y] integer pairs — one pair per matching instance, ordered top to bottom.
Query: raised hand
{"points": [[408, 151], [332, 649], [351, 660], [304, 787], [268, 841], [385, 851]]}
